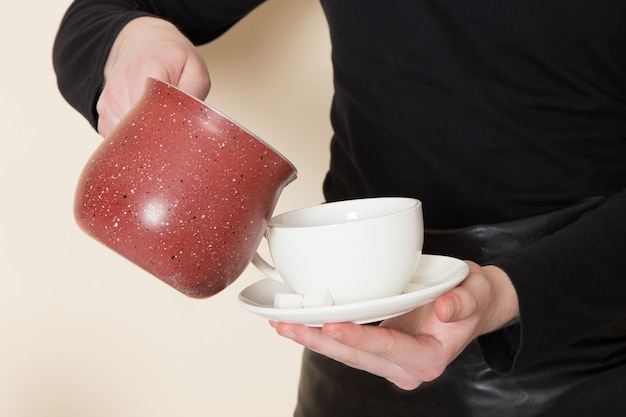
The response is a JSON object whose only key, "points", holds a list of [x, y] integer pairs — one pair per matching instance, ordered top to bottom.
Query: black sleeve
{"points": [[90, 27], [569, 285]]}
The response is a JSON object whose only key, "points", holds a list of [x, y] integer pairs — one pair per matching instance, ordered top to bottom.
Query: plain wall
{"points": [[84, 332]]}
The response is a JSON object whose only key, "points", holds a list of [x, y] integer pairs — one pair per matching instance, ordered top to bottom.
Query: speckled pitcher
{"points": [[182, 191]]}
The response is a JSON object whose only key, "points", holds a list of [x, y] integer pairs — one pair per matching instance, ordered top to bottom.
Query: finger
{"points": [[195, 79], [112, 104], [106, 123], [469, 298], [318, 341], [419, 356]]}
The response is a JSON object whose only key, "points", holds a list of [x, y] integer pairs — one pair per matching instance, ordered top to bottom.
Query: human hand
{"points": [[148, 47], [417, 346]]}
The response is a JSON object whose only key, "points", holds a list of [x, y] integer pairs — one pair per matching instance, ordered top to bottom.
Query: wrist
{"points": [[503, 308]]}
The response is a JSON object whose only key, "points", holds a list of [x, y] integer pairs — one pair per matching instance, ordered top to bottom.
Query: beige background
{"points": [[82, 331]]}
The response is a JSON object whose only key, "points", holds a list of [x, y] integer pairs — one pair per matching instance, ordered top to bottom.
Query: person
{"points": [[507, 120]]}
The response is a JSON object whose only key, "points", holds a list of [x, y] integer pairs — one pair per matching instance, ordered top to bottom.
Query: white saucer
{"points": [[434, 276]]}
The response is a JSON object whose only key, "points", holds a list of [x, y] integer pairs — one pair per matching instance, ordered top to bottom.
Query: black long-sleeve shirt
{"points": [[486, 111]]}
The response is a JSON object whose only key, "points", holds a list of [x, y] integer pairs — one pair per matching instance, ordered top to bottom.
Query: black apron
{"points": [[585, 380]]}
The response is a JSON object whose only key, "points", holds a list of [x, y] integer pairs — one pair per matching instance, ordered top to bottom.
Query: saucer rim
{"points": [[381, 309]]}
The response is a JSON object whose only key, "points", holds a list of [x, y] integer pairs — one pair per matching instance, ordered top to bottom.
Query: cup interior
{"points": [[344, 212]]}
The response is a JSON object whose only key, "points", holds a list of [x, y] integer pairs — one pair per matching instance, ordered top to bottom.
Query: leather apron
{"points": [[587, 379]]}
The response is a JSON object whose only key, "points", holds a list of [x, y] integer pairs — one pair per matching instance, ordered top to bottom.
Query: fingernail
{"points": [[451, 307]]}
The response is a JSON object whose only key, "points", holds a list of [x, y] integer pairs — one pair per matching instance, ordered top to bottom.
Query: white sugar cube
{"points": [[317, 297], [288, 300]]}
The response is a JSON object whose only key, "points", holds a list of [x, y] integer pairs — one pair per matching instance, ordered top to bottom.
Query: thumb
{"points": [[195, 79], [463, 301], [455, 306]]}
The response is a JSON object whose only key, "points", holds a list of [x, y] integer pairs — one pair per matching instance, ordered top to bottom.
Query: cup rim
{"points": [[409, 204]]}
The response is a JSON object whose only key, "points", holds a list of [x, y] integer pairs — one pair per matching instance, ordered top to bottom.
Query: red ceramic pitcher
{"points": [[182, 191]]}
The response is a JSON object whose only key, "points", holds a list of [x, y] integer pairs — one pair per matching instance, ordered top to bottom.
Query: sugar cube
{"points": [[317, 297], [288, 300]]}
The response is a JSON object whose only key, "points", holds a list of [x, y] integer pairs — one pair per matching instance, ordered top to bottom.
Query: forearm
{"points": [[81, 48], [569, 285]]}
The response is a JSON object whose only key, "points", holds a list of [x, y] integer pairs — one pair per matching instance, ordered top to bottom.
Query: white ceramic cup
{"points": [[357, 250]]}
